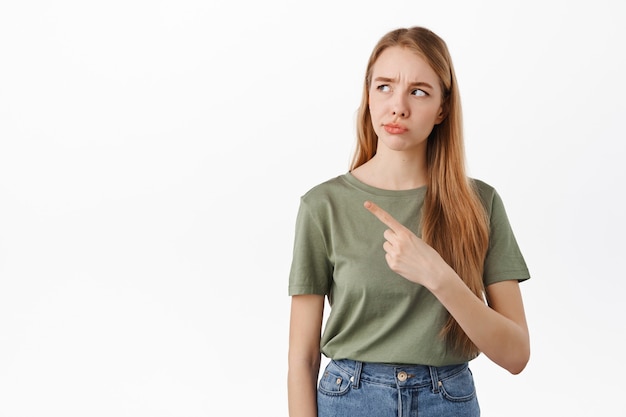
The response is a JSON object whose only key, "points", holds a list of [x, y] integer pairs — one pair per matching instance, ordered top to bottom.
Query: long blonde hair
{"points": [[454, 221]]}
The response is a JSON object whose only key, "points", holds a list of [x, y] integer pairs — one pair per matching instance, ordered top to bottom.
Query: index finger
{"points": [[383, 216]]}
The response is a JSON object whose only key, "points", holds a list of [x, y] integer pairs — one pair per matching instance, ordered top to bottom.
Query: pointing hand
{"points": [[406, 254]]}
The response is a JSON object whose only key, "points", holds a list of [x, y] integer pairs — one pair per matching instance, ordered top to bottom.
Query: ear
{"points": [[443, 113]]}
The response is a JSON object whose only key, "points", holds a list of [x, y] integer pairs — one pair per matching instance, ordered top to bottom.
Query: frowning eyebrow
{"points": [[386, 80]]}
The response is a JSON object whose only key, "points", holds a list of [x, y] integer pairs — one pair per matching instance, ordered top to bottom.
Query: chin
{"points": [[403, 145]]}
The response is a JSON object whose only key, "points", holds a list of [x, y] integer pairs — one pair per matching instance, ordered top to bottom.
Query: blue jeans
{"points": [[351, 388]]}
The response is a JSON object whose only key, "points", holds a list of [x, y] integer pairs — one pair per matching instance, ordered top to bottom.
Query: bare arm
{"points": [[498, 328], [304, 354]]}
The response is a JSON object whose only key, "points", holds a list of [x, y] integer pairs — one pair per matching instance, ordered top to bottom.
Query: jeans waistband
{"points": [[398, 375]]}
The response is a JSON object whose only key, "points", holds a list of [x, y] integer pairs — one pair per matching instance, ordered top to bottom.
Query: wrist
{"points": [[443, 281]]}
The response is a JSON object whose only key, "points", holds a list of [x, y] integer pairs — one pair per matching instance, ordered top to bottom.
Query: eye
{"points": [[383, 88], [419, 93]]}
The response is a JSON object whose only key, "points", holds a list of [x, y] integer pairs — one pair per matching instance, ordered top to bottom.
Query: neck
{"points": [[392, 170]]}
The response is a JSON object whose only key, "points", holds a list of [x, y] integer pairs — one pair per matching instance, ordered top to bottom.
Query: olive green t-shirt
{"points": [[377, 315]]}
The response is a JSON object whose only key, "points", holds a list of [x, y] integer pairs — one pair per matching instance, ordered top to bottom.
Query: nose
{"points": [[400, 107]]}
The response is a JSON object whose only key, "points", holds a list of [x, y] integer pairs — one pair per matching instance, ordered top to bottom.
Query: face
{"points": [[404, 100]]}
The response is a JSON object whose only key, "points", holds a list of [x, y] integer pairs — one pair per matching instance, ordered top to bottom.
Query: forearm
{"points": [[499, 329], [501, 339], [302, 388]]}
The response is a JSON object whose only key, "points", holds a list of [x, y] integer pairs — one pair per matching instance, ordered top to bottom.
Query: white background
{"points": [[152, 156]]}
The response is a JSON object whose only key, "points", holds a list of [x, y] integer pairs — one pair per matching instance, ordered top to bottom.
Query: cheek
{"points": [[375, 108], [431, 114]]}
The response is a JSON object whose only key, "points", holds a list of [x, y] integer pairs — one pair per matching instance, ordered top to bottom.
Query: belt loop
{"points": [[356, 378], [434, 378]]}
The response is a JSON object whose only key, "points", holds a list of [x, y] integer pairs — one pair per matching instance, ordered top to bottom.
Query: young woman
{"points": [[418, 261]]}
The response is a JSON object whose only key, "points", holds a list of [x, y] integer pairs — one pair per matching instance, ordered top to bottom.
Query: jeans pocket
{"points": [[335, 381], [458, 387]]}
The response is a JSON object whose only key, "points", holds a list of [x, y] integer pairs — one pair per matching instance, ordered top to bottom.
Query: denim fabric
{"points": [[351, 388]]}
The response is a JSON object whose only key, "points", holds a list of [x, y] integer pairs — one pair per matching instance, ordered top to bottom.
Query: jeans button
{"points": [[402, 376]]}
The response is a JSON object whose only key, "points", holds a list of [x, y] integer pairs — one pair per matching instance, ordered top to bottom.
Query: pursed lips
{"points": [[394, 128]]}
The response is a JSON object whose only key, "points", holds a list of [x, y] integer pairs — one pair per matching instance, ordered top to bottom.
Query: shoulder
{"points": [[483, 188], [325, 190], [487, 193], [326, 199], [319, 202], [494, 206]]}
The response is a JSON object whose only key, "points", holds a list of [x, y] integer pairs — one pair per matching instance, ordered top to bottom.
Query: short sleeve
{"points": [[504, 260], [311, 270]]}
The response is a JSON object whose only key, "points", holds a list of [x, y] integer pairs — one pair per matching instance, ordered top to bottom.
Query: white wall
{"points": [[152, 156]]}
